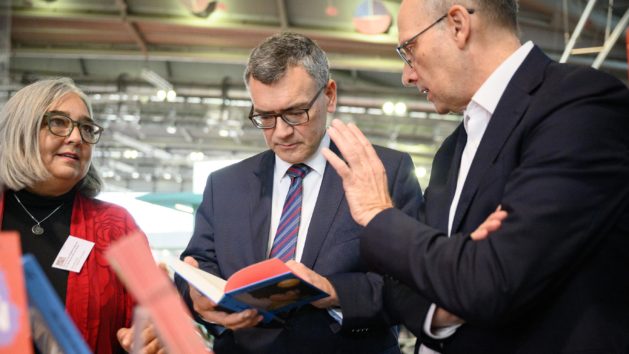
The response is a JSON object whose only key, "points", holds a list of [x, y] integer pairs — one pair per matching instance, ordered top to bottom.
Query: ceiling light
{"points": [[161, 95], [388, 108], [400, 108]]}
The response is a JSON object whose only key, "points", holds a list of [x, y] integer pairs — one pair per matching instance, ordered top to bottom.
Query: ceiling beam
{"points": [[282, 15], [223, 25], [131, 27], [227, 56]]}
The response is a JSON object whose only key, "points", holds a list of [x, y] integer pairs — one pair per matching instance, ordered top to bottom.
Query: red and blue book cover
{"points": [[15, 329]]}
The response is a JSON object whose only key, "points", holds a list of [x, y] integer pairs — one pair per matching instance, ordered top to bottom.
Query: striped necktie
{"points": [[285, 242]]}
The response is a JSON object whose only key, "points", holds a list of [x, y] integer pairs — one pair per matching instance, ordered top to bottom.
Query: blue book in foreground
{"points": [[268, 286], [53, 330]]}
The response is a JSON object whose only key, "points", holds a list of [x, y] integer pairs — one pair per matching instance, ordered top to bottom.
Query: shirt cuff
{"points": [[336, 314], [439, 333]]}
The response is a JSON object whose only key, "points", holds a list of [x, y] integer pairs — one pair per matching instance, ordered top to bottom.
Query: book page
{"points": [[208, 284]]}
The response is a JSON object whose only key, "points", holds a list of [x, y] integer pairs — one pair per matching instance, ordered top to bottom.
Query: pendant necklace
{"points": [[36, 229]]}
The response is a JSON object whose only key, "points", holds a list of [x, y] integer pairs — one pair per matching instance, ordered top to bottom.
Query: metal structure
{"points": [[123, 52]]}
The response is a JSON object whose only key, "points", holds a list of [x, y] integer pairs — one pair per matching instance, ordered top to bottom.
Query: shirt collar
{"points": [[490, 92], [316, 162]]}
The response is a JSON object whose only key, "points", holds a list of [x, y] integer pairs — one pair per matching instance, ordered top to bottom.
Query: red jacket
{"points": [[96, 300]]}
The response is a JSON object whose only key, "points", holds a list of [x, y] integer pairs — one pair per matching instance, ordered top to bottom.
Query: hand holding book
{"points": [[318, 281], [270, 287], [209, 311]]}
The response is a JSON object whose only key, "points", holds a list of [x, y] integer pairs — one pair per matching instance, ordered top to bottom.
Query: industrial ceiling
{"points": [[112, 47]]}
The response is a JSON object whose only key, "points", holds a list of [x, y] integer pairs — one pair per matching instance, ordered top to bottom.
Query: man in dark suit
{"points": [[288, 79], [547, 142]]}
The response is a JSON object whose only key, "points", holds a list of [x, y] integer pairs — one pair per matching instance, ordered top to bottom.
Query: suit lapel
{"points": [[510, 110], [261, 185], [441, 196], [328, 201]]}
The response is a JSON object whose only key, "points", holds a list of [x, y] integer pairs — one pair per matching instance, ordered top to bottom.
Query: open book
{"points": [[269, 286]]}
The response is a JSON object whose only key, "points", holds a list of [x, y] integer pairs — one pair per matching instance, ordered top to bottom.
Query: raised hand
{"points": [[363, 174]]}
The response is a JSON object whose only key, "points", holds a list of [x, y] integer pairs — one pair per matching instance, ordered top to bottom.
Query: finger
{"points": [[345, 141], [365, 143], [365, 156], [337, 163], [501, 215], [493, 225], [479, 234], [193, 262], [163, 267], [296, 267], [201, 303], [214, 317], [239, 320], [148, 333], [124, 337], [152, 346]]}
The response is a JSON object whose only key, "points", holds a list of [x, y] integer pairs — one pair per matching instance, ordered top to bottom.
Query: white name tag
{"points": [[73, 254]]}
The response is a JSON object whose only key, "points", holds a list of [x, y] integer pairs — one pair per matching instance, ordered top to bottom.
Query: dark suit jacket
{"points": [[232, 231], [555, 277]]}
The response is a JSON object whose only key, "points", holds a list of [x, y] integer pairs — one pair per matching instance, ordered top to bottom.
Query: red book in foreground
{"points": [[133, 262], [15, 330]]}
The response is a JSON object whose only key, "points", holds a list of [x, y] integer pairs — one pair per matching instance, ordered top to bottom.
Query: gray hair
{"points": [[501, 12], [269, 61], [21, 119]]}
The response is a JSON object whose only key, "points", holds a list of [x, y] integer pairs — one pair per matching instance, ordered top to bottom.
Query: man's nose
{"points": [[409, 76], [281, 127]]}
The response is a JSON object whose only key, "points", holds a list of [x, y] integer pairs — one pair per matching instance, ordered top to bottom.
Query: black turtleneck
{"points": [[46, 246]]}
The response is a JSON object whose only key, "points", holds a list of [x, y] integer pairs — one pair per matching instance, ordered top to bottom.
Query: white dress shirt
{"points": [[475, 120], [311, 187], [310, 192]]}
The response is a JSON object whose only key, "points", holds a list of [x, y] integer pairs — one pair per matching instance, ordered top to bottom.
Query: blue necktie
{"points": [[285, 242]]}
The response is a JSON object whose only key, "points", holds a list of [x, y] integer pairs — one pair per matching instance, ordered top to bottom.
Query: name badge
{"points": [[73, 254]]}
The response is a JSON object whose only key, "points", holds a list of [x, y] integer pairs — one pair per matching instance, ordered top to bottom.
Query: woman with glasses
{"points": [[47, 190]]}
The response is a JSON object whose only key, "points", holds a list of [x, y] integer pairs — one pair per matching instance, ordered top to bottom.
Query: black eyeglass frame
{"points": [[401, 49], [282, 114], [49, 115]]}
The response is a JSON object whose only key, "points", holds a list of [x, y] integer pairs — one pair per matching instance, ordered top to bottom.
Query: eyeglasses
{"points": [[403, 49], [291, 117], [61, 125]]}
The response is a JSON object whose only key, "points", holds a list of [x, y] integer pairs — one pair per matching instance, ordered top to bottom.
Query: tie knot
{"points": [[299, 170]]}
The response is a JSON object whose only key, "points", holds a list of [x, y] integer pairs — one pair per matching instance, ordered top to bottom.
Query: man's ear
{"points": [[459, 21], [330, 92]]}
